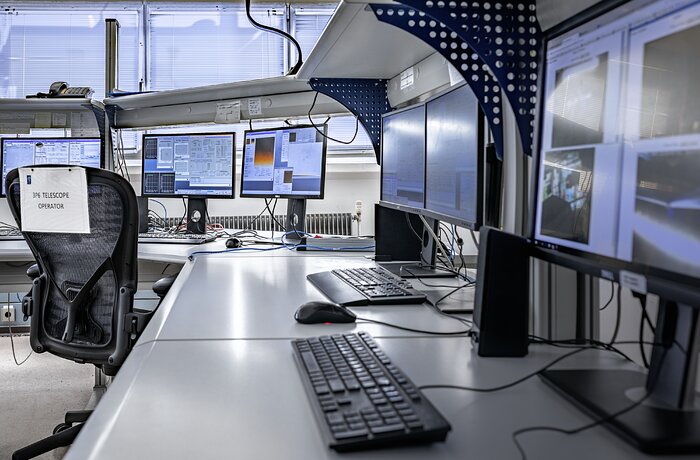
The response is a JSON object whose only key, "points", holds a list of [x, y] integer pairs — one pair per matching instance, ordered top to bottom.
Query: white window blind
{"points": [[41, 46], [196, 47]]}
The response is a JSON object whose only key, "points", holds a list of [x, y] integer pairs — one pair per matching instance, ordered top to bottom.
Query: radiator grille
{"points": [[326, 223]]}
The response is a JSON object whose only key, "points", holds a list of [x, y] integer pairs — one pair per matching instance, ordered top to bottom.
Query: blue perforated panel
{"points": [[505, 35], [466, 61], [365, 98]]}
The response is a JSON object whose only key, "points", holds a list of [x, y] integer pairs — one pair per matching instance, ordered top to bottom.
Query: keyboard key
{"points": [[387, 428]]}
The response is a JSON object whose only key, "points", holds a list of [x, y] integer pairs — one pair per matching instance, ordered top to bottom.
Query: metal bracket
{"points": [[504, 34], [474, 71], [365, 98]]}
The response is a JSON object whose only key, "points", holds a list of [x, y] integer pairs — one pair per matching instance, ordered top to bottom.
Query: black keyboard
{"points": [[181, 238], [363, 286], [361, 399]]}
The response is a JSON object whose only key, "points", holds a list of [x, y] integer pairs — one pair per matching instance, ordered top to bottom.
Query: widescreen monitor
{"points": [[21, 152], [403, 158], [454, 159], [288, 162], [194, 165]]}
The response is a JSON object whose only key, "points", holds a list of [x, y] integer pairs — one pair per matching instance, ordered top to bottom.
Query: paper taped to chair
{"points": [[54, 200]]}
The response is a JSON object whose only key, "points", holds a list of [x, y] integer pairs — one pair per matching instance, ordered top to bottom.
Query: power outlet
{"points": [[8, 314]]}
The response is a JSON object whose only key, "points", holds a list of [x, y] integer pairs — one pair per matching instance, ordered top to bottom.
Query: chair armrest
{"points": [[33, 271], [162, 286]]}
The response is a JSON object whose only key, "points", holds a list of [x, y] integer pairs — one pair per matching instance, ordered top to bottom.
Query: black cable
{"points": [[257, 25], [250, 123], [357, 125], [272, 215], [176, 229], [612, 294], [437, 302], [619, 316], [419, 331], [641, 339], [569, 343], [12, 344], [590, 425]]}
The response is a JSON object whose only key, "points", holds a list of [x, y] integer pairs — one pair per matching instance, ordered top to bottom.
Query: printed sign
{"points": [[254, 106], [229, 112], [54, 200]]}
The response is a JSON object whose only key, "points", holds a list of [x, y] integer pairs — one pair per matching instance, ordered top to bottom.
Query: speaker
{"points": [[143, 213], [197, 215], [501, 302]]}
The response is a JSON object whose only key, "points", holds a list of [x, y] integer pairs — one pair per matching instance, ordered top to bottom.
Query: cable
{"points": [[257, 25], [357, 125], [612, 294], [619, 316], [419, 331], [12, 344], [590, 425]]}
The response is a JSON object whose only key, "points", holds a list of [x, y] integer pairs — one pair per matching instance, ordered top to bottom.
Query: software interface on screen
{"points": [[620, 141], [25, 152], [403, 157], [284, 162], [188, 165], [451, 174]]}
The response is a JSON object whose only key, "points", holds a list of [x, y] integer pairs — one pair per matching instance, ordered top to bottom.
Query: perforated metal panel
{"points": [[505, 35], [458, 53], [365, 98]]}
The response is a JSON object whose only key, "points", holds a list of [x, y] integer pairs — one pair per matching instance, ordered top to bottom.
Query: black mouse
{"points": [[234, 242], [319, 311]]}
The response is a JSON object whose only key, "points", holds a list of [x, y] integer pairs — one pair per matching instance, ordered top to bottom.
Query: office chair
{"points": [[83, 286]]}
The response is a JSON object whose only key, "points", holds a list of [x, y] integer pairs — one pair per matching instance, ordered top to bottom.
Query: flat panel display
{"points": [[17, 153], [403, 157], [287, 162], [189, 165], [453, 182]]}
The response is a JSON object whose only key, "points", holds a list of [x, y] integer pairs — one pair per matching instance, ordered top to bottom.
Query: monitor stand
{"points": [[197, 215], [296, 218], [423, 268], [668, 420]]}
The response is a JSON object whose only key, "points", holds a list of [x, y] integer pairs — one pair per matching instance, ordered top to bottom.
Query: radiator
{"points": [[326, 223]]}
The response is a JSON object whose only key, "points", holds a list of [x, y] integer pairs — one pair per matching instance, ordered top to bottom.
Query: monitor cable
{"points": [[257, 25], [357, 125]]}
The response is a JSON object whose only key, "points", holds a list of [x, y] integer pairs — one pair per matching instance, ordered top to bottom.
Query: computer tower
{"points": [[501, 301]]}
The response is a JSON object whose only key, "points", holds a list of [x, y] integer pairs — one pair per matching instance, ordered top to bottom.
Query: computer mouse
{"points": [[234, 242], [319, 311]]}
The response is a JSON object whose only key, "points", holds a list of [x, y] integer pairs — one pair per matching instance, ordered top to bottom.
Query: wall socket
{"points": [[7, 314]]}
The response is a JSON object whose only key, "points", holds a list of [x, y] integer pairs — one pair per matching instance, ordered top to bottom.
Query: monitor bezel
{"points": [[71, 138], [481, 147], [324, 158], [185, 195], [391, 204], [674, 285]]}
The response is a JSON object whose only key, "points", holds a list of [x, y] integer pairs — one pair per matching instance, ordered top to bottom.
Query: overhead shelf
{"points": [[355, 44], [279, 97]]}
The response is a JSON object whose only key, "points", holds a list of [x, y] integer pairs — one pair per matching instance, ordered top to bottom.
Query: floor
{"points": [[35, 395]]}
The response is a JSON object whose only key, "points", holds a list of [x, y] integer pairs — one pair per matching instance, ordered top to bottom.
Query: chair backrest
{"points": [[81, 304]]}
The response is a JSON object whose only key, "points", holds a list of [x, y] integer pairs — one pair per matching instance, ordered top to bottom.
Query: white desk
{"points": [[244, 399]]}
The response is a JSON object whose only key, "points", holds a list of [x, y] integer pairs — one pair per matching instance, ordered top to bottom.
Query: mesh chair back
{"points": [[87, 280]]}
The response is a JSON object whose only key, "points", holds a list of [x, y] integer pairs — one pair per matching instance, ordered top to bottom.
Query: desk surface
{"points": [[246, 297], [244, 399]]}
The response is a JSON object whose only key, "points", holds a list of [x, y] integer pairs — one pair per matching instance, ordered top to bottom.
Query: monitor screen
{"points": [[619, 139], [16, 153], [403, 157], [287, 162], [189, 165], [453, 190]]}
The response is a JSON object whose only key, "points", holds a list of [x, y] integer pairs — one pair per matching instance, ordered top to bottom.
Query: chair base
{"points": [[63, 435]]}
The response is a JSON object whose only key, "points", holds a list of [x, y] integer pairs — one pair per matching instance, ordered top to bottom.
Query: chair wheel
{"points": [[61, 427]]}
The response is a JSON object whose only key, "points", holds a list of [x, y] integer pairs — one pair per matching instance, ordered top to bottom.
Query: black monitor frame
{"points": [[322, 129], [2, 149], [480, 152], [232, 195], [659, 418]]}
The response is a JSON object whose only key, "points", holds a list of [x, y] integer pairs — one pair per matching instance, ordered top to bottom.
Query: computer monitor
{"points": [[19, 152], [403, 158], [454, 158], [288, 162], [189, 165], [195, 166], [617, 195]]}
